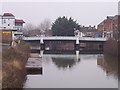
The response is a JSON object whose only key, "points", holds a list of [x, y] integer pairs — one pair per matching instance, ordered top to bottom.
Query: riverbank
{"points": [[111, 48], [13, 65], [111, 65]]}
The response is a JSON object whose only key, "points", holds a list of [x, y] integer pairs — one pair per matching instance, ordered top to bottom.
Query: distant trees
{"points": [[45, 25], [64, 26], [29, 29], [42, 29]]}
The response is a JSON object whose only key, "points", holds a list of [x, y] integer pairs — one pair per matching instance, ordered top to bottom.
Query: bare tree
{"points": [[45, 26], [28, 28], [42, 29]]}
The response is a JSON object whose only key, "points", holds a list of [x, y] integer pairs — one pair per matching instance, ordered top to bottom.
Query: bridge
{"points": [[64, 38], [57, 40]]}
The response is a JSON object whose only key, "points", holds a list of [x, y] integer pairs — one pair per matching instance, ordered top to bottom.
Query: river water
{"points": [[74, 71]]}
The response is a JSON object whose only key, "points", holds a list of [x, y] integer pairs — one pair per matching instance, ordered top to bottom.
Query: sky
{"points": [[86, 13]]}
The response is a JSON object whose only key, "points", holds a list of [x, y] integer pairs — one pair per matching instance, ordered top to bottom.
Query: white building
{"points": [[9, 22]]}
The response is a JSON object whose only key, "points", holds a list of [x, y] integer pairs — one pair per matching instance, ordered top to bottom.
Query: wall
{"points": [[10, 21], [6, 36]]}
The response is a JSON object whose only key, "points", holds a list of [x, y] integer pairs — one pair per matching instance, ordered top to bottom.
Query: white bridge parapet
{"points": [[64, 38], [92, 39]]}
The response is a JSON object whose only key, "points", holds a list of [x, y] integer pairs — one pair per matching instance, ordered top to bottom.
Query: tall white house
{"points": [[8, 21]]}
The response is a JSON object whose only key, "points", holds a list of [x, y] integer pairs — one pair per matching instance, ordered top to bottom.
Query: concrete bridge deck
{"points": [[64, 38]]}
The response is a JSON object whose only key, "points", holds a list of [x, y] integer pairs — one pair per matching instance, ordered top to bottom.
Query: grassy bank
{"points": [[111, 48], [13, 65]]}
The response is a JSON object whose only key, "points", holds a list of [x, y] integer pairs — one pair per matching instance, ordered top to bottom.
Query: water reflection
{"points": [[64, 62], [109, 64], [75, 71], [35, 72]]}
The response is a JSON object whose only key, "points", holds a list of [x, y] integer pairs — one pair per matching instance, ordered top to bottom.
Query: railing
{"points": [[64, 38], [93, 39]]}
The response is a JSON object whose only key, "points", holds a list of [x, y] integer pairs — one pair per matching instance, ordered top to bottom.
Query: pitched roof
{"points": [[8, 14], [116, 17], [19, 21], [102, 23]]}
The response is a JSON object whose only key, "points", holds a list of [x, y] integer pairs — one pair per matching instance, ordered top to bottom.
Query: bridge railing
{"points": [[49, 37], [61, 37], [65, 38], [93, 39]]}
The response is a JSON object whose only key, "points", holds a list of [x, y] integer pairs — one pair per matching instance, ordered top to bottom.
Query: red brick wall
{"points": [[108, 25], [100, 28]]}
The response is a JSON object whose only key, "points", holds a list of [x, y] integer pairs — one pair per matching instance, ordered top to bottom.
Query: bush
{"points": [[64, 26]]}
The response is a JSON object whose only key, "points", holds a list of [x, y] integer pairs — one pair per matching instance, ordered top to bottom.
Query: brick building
{"points": [[109, 27]]}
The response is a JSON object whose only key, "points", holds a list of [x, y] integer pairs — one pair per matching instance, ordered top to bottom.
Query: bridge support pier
{"points": [[77, 44], [42, 46], [77, 47], [41, 53], [77, 56]]}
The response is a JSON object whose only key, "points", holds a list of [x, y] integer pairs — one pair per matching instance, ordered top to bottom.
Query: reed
{"points": [[13, 65]]}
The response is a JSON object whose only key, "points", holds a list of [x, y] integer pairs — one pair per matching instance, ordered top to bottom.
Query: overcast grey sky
{"points": [[86, 13]]}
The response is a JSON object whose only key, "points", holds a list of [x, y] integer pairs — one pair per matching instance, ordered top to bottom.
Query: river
{"points": [[74, 71]]}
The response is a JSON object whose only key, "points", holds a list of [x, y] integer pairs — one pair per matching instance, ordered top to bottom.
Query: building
{"points": [[9, 22], [109, 27], [10, 28], [88, 31], [6, 38]]}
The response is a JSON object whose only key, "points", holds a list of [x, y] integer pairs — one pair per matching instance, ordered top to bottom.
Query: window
{"points": [[18, 24]]}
